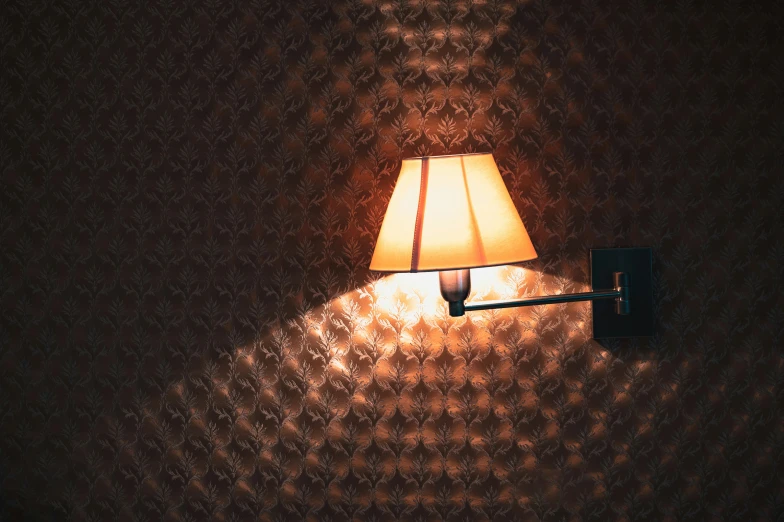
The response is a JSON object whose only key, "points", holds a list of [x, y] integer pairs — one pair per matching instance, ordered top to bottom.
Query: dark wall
{"points": [[190, 197]]}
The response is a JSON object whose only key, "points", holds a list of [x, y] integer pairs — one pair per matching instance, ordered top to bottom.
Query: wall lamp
{"points": [[453, 213]]}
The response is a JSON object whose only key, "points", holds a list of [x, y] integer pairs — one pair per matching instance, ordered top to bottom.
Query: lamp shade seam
{"points": [[419, 214]]}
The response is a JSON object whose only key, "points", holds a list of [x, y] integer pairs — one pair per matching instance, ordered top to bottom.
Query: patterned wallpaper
{"points": [[190, 196]]}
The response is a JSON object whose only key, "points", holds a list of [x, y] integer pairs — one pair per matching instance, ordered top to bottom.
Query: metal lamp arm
{"points": [[456, 285]]}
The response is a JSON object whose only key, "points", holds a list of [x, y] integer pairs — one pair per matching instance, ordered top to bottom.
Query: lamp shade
{"points": [[448, 213]]}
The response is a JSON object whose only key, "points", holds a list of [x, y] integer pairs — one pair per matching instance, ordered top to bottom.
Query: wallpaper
{"points": [[191, 192]]}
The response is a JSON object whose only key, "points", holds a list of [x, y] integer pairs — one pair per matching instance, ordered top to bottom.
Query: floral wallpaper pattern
{"points": [[190, 197]]}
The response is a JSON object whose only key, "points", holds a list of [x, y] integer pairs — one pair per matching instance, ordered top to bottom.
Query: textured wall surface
{"points": [[190, 197]]}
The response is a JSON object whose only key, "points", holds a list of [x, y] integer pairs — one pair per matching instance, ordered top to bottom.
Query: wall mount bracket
{"points": [[621, 295]]}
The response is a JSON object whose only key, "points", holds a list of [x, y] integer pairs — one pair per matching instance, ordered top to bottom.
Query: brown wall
{"points": [[190, 198]]}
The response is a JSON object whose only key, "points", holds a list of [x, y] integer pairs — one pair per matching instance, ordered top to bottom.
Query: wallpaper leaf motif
{"points": [[191, 195]]}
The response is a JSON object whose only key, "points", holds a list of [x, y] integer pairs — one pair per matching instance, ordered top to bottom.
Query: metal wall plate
{"points": [[637, 263]]}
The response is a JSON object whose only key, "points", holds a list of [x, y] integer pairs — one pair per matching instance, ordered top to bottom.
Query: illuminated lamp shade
{"points": [[450, 213]]}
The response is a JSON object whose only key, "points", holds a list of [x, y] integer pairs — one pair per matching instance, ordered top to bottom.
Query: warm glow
{"points": [[464, 218], [418, 294]]}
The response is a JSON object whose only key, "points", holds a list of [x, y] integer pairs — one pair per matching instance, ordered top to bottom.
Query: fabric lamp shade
{"points": [[448, 213]]}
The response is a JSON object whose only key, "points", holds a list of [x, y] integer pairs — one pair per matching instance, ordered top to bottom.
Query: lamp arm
{"points": [[455, 286], [544, 299]]}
